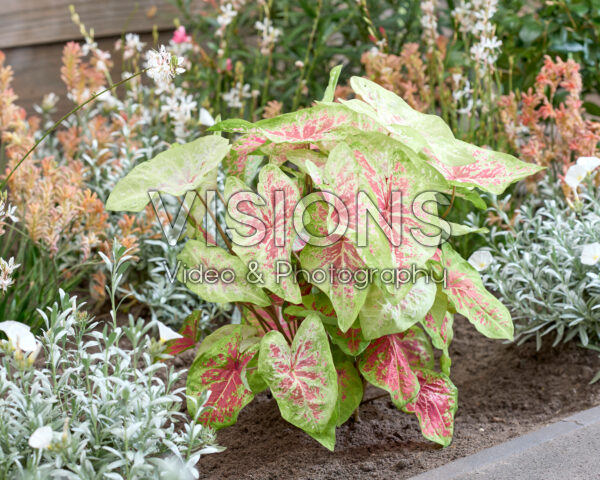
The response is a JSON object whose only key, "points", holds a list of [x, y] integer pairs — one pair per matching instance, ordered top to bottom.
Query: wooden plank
{"points": [[33, 22], [37, 71]]}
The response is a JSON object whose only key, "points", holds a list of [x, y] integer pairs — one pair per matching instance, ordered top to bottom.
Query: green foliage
{"points": [[565, 28], [316, 33], [323, 157], [538, 271], [38, 278], [107, 411]]}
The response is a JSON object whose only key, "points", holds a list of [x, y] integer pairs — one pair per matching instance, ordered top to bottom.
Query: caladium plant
{"points": [[328, 211]]}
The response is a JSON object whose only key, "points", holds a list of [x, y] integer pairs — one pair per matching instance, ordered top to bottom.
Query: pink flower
{"points": [[180, 36]]}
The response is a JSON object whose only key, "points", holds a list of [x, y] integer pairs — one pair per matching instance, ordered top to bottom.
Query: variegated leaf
{"points": [[316, 124], [240, 161], [460, 162], [176, 171], [490, 171], [345, 178], [402, 185], [269, 217], [197, 258], [465, 290], [346, 293], [384, 314], [438, 322], [190, 332], [351, 342], [417, 348], [384, 364], [218, 367], [302, 378], [350, 386], [435, 406]]}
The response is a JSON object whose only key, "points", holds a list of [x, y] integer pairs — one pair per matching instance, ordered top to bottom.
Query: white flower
{"points": [[228, 13], [270, 35], [132, 45], [88, 47], [163, 66], [234, 97], [49, 101], [110, 101], [179, 108], [206, 118], [589, 163], [575, 175], [7, 211], [590, 254], [481, 259], [6, 270], [165, 333], [20, 335], [41, 438]]}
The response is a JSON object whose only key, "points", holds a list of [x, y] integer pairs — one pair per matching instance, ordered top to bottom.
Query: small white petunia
{"points": [[206, 118], [589, 163], [575, 175], [590, 255], [481, 259], [167, 333], [20, 335], [41, 438]]}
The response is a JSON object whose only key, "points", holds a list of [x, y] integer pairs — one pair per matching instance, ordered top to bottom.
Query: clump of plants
{"points": [[293, 205], [545, 264], [84, 402]]}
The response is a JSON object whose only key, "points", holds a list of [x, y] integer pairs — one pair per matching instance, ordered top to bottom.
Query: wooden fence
{"points": [[33, 33]]}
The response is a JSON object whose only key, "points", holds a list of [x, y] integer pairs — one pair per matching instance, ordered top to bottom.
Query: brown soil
{"points": [[504, 391]]}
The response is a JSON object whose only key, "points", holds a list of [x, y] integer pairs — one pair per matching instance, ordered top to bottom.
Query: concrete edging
{"points": [[516, 447]]}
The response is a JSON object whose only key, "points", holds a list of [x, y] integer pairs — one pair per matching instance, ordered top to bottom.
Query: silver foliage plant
{"points": [[538, 272], [113, 409]]}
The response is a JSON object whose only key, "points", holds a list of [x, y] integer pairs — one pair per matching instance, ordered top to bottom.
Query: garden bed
{"points": [[505, 391]]}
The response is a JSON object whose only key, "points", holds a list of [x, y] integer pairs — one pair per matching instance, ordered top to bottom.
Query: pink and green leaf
{"points": [[317, 124], [241, 161], [460, 162], [390, 167], [490, 171], [345, 178], [270, 220], [197, 255], [347, 297], [469, 297], [385, 314], [438, 322], [191, 332], [352, 342], [417, 349], [385, 364], [218, 367], [302, 378], [435, 406]]}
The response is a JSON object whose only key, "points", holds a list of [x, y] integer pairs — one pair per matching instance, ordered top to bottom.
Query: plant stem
{"points": [[307, 56], [62, 119], [445, 214], [219, 228]]}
